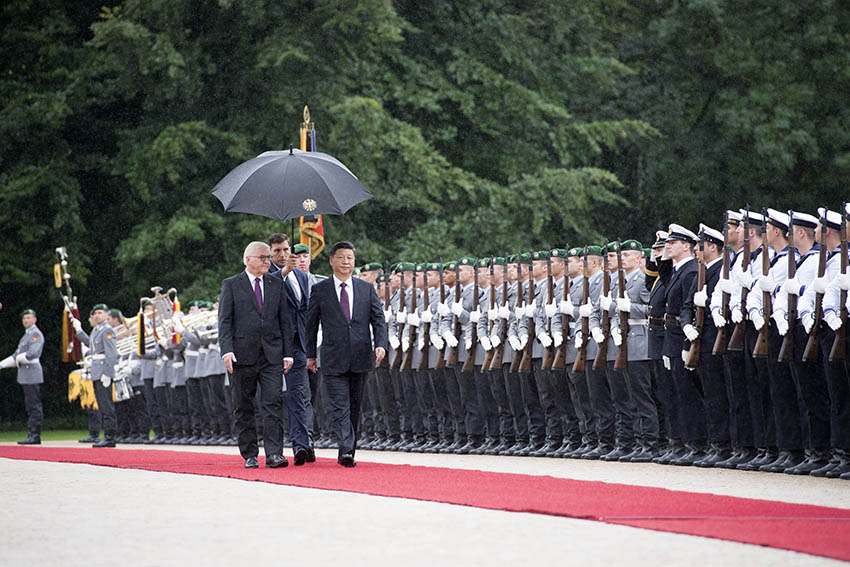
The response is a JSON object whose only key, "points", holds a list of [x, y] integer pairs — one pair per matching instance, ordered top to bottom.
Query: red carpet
{"points": [[817, 530]]}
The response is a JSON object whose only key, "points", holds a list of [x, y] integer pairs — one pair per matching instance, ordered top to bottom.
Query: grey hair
{"points": [[251, 248]]}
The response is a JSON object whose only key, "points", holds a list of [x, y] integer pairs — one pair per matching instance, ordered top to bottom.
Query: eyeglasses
{"points": [[262, 258]]}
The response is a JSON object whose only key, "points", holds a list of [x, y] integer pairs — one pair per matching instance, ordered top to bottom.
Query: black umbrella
{"points": [[290, 184]]}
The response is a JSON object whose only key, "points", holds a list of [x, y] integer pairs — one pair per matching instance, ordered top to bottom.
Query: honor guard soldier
{"points": [[104, 358], [30, 375]]}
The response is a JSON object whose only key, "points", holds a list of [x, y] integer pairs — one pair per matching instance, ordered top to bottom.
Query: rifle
{"points": [[520, 297], [699, 315], [426, 327], [720, 340], [736, 343], [839, 345], [760, 350], [786, 351], [811, 351], [549, 354], [623, 354], [399, 355], [499, 355], [581, 355], [488, 356], [441, 359], [407, 360], [451, 360], [601, 360], [560, 361], [385, 362], [469, 362], [525, 364]]}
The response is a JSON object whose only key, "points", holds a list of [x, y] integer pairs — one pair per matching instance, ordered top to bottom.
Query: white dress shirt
{"points": [[251, 278], [293, 281], [349, 289]]}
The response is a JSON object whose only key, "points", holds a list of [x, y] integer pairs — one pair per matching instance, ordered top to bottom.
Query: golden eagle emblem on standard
{"points": [[309, 205]]}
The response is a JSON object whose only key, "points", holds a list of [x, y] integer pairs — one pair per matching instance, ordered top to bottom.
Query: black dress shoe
{"points": [[32, 439], [90, 439], [104, 443], [311, 455], [300, 457], [347, 460], [814, 460], [276, 461], [251, 463]]}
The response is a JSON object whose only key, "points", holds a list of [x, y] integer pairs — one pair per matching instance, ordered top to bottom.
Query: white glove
{"points": [[745, 280], [843, 281], [766, 283], [820, 284], [726, 285], [792, 286], [701, 297], [605, 302], [624, 304], [566, 307], [457, 308], [551, 309], [443, 310], [585, 310], [519, 311], [529, 311], [505, 312], [493, 314], [388, 315], [427, 316], [474, 316], [737, 316], [400, 317], [413, 319], [719, 319], [757, 319], [833, 320], [808, 322], [781, 324], [77, 325], [178, 326], [690, 332], [597, 335], [617, 336], [450, 339], [557, 339], [495, 340], [523, 340], [545, 340], [579, 340], [437, 341], [394, 342], [514, 342], [485, 343], [405, 344], [420, 344], [685, 356], [21, 359], [666, 360], [8, 362], [106, 380]]}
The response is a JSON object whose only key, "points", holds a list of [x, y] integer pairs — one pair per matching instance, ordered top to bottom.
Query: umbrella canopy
{"points": [[290, 184]]}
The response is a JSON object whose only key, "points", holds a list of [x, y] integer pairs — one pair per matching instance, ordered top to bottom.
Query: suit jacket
{"points": [[677, 290], [297, 308], [246, 331], [346, 345]]}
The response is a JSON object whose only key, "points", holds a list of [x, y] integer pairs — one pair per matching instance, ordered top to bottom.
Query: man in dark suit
{"points": [[348, 309], [255, 338], [298, 404]]}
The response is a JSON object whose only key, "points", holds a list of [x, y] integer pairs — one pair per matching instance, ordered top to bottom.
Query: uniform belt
{"points": [[656, 320], [672, 320], [638, 322], [573, 325], [214, 347], [203, 350], [191, 353], [98, 356], [177, 365]]}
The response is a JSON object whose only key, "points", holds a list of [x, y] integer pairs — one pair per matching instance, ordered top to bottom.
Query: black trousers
{"points": [[710, 372], [639, 380], [244, 381], [810, 383], [758, 388], [498, 389], [513, 389], [345, 392], [839, 392], [783, 393], [546, 395], [218, 396], [455, 397], [581, 401], [689, 401], [601, 402], [427, 403], [624, 405], [533, 406], [106, 407], [389, 407], [443, 407], [489, 408], [473, 410], [412, 411], [35, 413], [198, 416], [154, 417], [740, 418], [668, 420], [141, 426]]}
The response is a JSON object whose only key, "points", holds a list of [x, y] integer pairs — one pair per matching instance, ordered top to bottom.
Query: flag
{"points": [[311, 228], [71, 349]]}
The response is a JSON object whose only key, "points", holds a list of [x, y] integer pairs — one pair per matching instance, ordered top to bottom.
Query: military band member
{"points": [[104, 358], [30, 375]]}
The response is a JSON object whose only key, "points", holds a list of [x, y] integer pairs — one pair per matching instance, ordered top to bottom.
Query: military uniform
{"points": [[104, 358], [30, 376]]}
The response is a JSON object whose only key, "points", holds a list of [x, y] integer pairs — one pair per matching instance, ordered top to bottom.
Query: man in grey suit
{"points": [[347, 308], [256, 342], [30, 375]]}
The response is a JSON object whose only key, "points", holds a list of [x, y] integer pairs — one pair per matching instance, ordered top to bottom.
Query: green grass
{"points": [[54, 435]]}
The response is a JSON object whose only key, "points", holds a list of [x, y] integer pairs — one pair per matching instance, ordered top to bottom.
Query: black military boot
{"points": [[33, 438], [92, 438], [474, 442], [533, 446], [604, 447], [623, 448], [719, 452], [763, 456], [815, 459], [843, 465]]}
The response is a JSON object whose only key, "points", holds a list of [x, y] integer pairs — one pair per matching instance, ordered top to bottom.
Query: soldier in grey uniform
{"points": [[104, 358], [148, 368], [175, 371], [30, 375], [437, 376], [217, 383], [386, 390], [494, 410], [199, 418]]}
